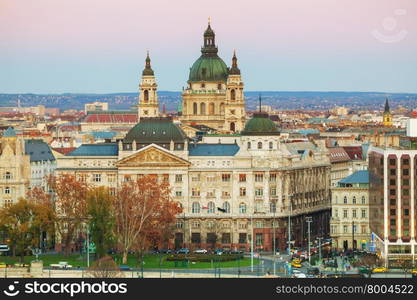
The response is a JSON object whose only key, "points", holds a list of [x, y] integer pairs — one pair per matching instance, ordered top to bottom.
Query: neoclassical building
{"points": [[214, 93], [24, 163], [230, 187]]}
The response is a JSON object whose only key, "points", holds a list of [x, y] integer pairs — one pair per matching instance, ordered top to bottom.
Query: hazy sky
{"points": [[99, 46]]}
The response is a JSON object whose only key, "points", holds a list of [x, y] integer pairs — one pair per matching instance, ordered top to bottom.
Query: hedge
{"points": [[204, 257]]}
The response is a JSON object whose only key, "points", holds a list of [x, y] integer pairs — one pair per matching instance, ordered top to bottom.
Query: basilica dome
{"points": [[208, 68]]}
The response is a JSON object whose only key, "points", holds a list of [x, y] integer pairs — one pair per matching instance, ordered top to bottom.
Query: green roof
{"points": [[208, 68], [260, 124], [155, 130], [108, 149]]}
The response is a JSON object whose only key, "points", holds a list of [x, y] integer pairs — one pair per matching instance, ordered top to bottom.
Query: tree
{"points": [[70, 207], [142, 207], [101, 219], [21, 222], [369, 262], [104, 267]]}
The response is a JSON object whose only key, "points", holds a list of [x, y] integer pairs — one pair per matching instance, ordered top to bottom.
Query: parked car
{"points": [[164, 251], [183, 251], [200, 251], [218, 251], [236, 252], [61, 265], [124, 268], [380, 270]]}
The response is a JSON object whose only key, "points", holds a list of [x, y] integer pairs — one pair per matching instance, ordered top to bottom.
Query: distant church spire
{"points": [[209, 48], [386, 110]]}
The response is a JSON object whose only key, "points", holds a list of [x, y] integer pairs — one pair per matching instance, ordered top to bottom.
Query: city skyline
{"points": [[82, 47]]}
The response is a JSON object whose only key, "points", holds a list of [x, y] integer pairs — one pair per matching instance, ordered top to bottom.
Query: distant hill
{"points": [[279, 100]]}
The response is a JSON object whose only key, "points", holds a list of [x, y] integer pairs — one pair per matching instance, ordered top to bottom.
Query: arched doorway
{"points": [[146, 95], [233, 95], [194, 108], [202, 108], [211, 109], [232, 126]]}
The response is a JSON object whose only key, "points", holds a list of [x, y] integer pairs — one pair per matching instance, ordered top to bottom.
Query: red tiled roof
{"points": [[111, 118], [64, 150], [354, 152], [338, 154]]}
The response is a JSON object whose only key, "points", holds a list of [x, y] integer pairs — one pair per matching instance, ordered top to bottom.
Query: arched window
{"points": [[219, 86], [146, 95], [232, 95], [194, 108], [202, 108], [222, 108], [232, 126], [249, 145], [259, 145], [271, 145], [8, 175], [7, 190], [345, 200], [354, 200], [363, 200], [226, 207], [195, 208], [211, 208], [242, 208]]}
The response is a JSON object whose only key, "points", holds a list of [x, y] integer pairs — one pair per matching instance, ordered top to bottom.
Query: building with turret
{"points": [[214, 93], [148, 98]]}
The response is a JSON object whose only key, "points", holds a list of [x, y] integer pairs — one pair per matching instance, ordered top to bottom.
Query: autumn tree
{"points": [[70, 205], [141, 208], [101, 219], [21, 222], [104, 267]]}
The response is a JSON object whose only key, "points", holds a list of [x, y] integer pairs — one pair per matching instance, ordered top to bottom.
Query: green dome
{"points": [[208, 68], [260, 124], [155, 130]]}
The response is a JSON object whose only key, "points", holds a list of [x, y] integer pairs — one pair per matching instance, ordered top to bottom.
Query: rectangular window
{"points": [[97, 177], [111, 177], [226, 177], [242, 177], [259, 177], [273, 177], [178, 178], [195, 178], [242, 191], [273, 191], [195, 192], [259, 192], [178, 193], [225, 193], [345, 213], [354, 213], [363, 213], [345, 229], [226, 238], [242, 238], [259, 238]]}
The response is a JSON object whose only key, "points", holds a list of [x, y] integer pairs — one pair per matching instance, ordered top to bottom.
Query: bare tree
{"points": [[104, 267]]}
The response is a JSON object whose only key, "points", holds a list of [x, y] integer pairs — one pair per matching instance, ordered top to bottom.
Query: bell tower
{"points": [[148, 97], [235, 102], [387, 117]]}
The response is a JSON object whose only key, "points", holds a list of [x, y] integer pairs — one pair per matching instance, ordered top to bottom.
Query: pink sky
{"points": [[80, 32]]}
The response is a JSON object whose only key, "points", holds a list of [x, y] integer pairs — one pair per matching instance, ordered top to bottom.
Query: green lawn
{"points": [[152, 261]]}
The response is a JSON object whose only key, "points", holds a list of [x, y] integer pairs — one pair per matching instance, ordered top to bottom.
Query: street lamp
{"points": [[309, 220]]}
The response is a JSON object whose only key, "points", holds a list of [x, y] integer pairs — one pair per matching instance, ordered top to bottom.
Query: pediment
{"points": [[152, 156]]}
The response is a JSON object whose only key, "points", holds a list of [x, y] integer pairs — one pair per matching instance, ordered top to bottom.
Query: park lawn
{"points": [[152, 261]]}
